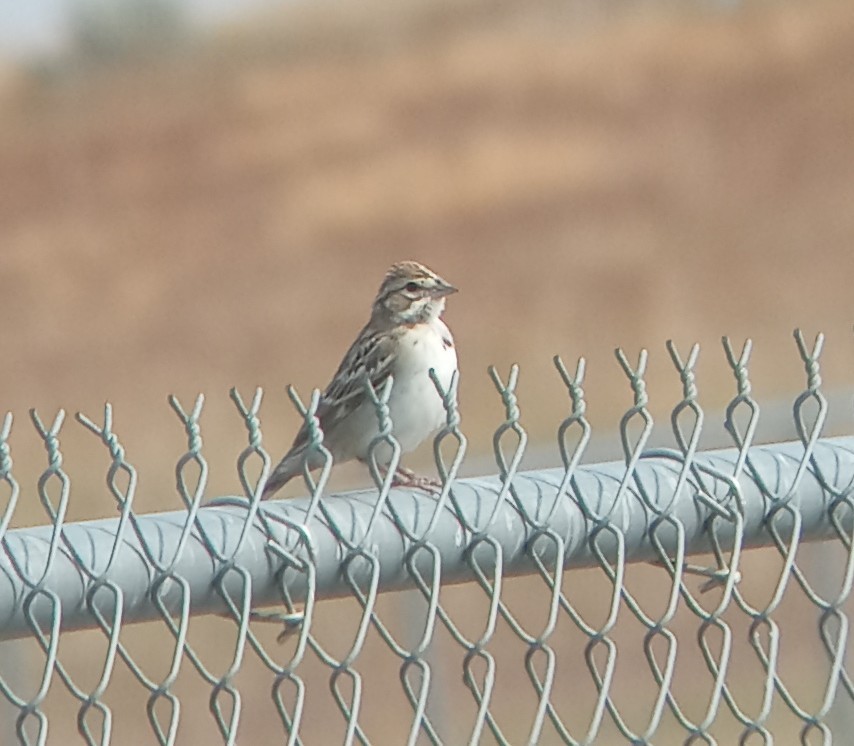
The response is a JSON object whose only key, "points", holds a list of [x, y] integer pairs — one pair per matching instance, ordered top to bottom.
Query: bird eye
{"points": [[411, 287]]}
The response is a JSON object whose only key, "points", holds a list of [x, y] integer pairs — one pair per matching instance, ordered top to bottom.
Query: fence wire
{"points": [[271, 570]]}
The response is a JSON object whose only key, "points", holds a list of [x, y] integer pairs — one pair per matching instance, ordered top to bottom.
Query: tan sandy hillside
{"points": [[224, 218]]}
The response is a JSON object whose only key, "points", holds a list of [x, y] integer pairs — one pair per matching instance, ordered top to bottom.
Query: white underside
{"points": [[415, 406]]}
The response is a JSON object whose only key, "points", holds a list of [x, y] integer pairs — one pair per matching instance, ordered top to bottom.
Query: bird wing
{"points": [[371, 358]]}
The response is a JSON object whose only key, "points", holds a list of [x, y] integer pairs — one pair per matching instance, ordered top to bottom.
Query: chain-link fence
{"points": [[609, 635]]}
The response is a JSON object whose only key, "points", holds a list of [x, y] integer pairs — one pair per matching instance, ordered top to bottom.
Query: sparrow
{"points": [[404, 338]]}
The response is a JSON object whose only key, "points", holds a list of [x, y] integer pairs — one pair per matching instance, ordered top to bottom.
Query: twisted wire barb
{"points": [[6, 475], [235, 555]]}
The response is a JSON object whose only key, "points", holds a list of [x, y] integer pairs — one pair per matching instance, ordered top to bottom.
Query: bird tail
{"points": [[289, 467], [284, 472]]}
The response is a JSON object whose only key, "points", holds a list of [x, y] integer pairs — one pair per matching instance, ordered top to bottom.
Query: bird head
{"points": [[411, 294]]}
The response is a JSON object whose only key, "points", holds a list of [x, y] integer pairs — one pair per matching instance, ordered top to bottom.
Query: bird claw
{"points": [[407, 478]]}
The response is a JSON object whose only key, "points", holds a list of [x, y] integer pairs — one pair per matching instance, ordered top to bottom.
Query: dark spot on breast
{"points": [[446, 341]]}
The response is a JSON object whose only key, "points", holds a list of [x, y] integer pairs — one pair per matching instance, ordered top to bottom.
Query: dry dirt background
{"points": [[223, 216]]}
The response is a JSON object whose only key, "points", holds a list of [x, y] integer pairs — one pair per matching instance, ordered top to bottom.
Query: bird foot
{"points": [[407, 478]]}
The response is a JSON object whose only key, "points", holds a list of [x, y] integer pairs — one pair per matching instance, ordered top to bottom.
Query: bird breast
{"points": [[414, 404]]}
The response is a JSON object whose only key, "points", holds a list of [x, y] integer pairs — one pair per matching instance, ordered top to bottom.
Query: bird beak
{"points": [[444, 289]]}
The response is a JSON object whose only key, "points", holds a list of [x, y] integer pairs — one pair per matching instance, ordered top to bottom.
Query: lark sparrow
{"points": [[404, 338]]}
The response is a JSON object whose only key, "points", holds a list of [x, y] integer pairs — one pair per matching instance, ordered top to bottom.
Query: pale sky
{"points": [[33, 27]]}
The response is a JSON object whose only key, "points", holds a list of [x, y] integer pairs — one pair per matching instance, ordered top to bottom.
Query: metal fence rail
{"points": [[235, 556]]}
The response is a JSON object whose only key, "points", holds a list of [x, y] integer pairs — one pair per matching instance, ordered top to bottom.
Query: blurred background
{"points": [[198, 195]]}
